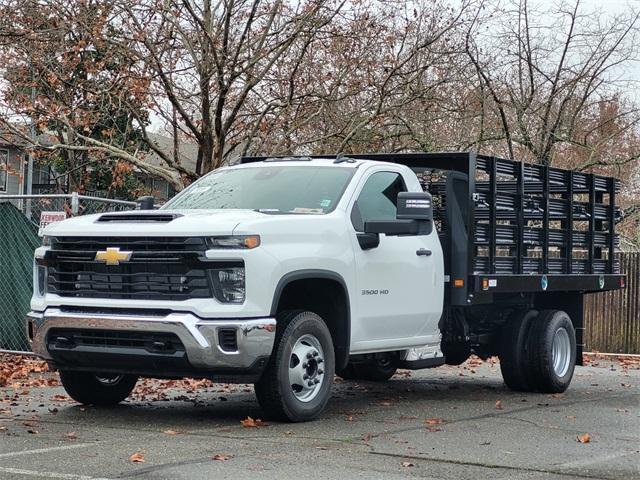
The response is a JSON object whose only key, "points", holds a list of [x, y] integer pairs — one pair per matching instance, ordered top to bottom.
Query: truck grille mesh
{"points": [[159, 269]]}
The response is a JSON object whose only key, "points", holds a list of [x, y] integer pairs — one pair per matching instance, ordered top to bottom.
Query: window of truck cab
{"points": [[273, 189], [378, 198]]}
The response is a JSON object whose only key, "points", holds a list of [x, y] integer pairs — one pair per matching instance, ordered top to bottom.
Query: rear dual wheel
{"points": [[538, 351], [552, 355]]}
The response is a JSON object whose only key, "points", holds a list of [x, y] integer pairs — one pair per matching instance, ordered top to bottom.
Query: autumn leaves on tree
{"points": [[240, 77]]}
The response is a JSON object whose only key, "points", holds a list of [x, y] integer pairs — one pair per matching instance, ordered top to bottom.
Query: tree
{"points": [[207, 61], [541, 79], [373, 81], [76, 88]]}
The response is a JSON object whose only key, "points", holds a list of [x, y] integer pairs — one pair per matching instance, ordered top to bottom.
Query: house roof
{"points": [[187, 151]]}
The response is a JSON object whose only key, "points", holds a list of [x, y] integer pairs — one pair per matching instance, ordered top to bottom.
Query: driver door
{"points": [[399, 297]]}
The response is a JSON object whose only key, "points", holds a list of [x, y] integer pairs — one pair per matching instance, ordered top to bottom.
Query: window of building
{"points": [[4, 169], [42, 174]]}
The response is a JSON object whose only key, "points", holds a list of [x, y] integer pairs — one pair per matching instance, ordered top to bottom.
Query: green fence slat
{"points": [[18, 240]]}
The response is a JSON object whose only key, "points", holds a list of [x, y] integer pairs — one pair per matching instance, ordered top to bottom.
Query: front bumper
{"points": [[202, 354]]}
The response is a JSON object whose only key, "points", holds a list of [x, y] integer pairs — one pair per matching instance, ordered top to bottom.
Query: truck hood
{"points": [[154, 223]]}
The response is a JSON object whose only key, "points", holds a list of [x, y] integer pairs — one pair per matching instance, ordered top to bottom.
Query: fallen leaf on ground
{"points": [[499, 405], [407, 417], [349, 418], [433, 421], [253, 423], [171, 432], [584, 438], [222, 456], [137, 457], [408, 464]]}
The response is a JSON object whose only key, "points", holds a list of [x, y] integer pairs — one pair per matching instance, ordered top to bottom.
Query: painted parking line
{"points": [[45, 450], [595, 459], [54, 475]]}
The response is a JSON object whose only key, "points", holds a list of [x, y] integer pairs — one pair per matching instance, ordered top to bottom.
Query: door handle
{"points": [[423, 252]]}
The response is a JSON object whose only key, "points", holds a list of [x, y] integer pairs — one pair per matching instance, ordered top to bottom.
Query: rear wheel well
{"points": [[326, 297]]}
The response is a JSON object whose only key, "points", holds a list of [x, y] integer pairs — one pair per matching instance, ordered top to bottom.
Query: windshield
{"points": [[277, 189]]}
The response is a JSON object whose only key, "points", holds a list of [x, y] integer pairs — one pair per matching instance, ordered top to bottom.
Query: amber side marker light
{"points": [[252, 241], [458, 282]]}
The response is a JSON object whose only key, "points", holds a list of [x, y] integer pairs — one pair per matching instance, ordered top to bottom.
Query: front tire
{"points": [[552, 351], [296, 384], [97, 388]]}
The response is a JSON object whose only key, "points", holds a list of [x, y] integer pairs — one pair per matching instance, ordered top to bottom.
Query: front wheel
{"points": [[296, 384], [97, 388]]}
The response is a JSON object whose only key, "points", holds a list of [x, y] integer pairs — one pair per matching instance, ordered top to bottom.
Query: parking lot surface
{"points": [[447, 423]]}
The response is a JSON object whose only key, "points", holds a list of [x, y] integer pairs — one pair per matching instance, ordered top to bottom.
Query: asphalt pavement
{"points": [[446, 423]]}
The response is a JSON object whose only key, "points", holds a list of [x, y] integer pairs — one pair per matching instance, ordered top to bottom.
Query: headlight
{"points": [[46, 241], [234, 241], [229, 284]]}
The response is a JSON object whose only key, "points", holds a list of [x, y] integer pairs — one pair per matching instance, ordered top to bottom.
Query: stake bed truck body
{"points": [[283, 271]]}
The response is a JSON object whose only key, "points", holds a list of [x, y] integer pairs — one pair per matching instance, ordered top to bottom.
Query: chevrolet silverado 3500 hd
{"points": [[284, 271]]}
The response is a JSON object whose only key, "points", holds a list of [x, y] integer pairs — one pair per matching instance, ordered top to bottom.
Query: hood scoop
{"points": [[138, 217]]}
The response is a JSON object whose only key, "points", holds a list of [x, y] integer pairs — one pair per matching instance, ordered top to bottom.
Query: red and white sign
{"points": [[47, 218]]}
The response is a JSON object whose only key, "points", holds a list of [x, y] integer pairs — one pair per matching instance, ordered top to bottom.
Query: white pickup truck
{"points": [[283, 271]]}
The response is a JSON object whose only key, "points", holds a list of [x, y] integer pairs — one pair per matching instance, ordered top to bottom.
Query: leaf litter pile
{"points": [[19, 371]]}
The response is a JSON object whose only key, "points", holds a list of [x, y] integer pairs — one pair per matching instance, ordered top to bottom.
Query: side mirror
{"points": [[145, 203], [415, 206], [414, 216], [392, 227]]}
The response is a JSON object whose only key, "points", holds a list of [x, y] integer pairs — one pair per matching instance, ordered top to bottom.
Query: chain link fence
{"points": [[21, 218]]}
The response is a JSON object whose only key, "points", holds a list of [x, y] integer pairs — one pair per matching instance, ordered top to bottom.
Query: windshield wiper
{"points": [[268, 210], [275, 211]]}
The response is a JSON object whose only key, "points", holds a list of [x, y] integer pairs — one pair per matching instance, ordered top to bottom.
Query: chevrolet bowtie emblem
{"points": [[113, 256]]}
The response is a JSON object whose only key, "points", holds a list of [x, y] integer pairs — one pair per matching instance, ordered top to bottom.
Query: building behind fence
{"points": [[19, 223], [611, 318]]}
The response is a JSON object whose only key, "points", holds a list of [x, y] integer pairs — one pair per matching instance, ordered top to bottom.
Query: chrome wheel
{"points": [[561, 352], [306, 372], [108, 380]]}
